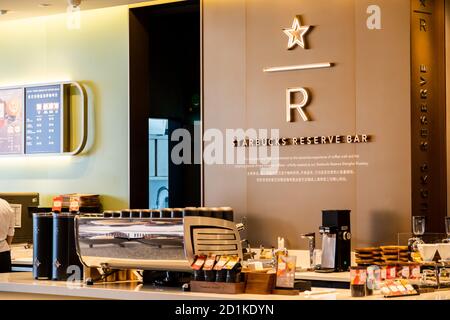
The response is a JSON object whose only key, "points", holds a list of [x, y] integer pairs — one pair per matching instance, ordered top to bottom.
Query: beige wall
{"points": [[44, 50], [366, 92], [224, 105], [383, 108]]}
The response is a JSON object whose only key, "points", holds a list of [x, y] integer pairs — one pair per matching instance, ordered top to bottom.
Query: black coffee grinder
{"points": [[336, 241]]}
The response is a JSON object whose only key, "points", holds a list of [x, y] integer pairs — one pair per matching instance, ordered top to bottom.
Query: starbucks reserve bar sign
{"points": [[299, 98], [303, 141]]}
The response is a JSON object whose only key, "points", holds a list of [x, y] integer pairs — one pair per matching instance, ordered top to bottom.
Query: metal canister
{"points": [[42, 245], [64, 251]]}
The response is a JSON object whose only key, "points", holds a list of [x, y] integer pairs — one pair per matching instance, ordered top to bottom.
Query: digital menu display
{"points": [[43, 111], [11, 121]]}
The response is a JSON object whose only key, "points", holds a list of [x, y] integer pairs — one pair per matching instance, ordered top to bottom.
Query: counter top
{"points": [[21, 257], [23, 261], [22, 264], [315, 276], [24, 283]]}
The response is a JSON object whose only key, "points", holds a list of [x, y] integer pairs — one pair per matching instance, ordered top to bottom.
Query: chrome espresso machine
{"points": [[160, 243]]}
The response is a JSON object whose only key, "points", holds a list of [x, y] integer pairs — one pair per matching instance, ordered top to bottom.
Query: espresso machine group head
{"points": [[336, 241]]}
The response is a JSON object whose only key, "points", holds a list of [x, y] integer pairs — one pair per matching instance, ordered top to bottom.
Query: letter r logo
{"points": [[298, 99]]}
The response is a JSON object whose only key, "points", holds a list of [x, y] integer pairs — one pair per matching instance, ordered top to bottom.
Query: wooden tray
{"points": [[260, 283], [218, 287], [286, 292]]}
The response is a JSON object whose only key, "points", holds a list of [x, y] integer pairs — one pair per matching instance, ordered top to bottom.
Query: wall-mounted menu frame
{"points": [[41, 114], [11, 121], [47, 121]]}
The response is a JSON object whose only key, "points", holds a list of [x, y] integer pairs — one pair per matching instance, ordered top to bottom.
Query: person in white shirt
{"points": [[7, 222]]}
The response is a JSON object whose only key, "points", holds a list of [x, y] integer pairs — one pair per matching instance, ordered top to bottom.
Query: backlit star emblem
{"points": [[296, 34]]}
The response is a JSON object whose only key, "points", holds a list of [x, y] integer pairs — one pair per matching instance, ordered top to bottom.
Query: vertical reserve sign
{"points": [[428, 109]]}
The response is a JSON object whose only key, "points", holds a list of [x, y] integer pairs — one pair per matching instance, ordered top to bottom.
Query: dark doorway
{"points": [[165, 76]]}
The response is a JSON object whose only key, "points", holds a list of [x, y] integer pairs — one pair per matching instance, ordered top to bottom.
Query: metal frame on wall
{"points": [[64, 112], [428, 113]]}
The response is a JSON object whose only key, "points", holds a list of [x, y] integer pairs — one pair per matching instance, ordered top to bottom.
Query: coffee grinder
{"points": [[336, 241]]}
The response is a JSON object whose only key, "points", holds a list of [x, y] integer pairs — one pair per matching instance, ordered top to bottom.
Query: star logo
{"points": [[296, 34]]}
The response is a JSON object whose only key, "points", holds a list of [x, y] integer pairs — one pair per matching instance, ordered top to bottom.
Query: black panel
{"points": [[164, 84], [428, 113]]}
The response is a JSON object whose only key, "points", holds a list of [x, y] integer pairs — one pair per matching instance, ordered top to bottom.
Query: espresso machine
{"points": [[336, 241], [163, 248]]}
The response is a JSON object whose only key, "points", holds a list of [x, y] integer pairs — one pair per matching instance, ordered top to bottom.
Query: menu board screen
{"points": [[43, 110], [11, 121]]}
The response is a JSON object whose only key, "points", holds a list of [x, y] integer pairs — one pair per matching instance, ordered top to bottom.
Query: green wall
{"points": [[41, 50]]}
